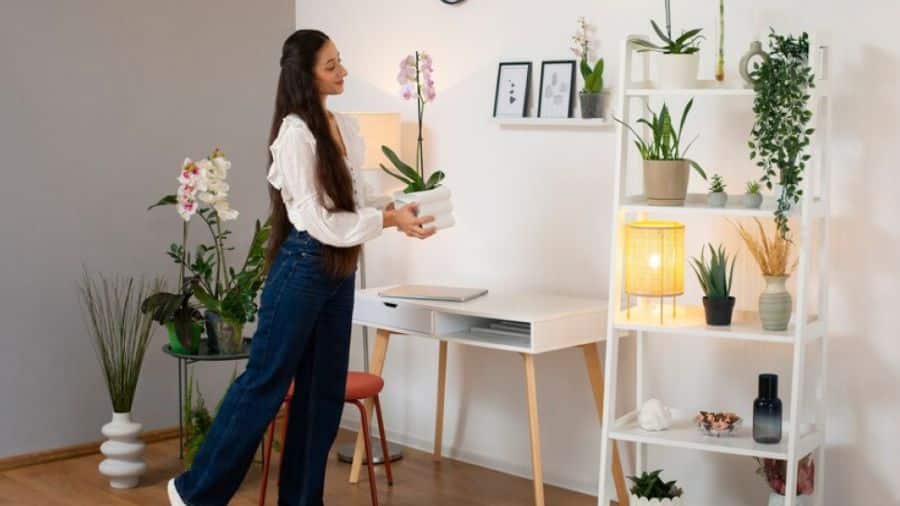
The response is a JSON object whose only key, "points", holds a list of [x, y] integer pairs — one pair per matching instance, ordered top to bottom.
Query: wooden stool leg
{"points": [[382, 337], [439, 409], [535, 432], [367, 443], [384, 445], [267, 460]]}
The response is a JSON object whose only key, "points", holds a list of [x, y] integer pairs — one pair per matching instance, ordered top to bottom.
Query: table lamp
{"points": [[654, 261]]}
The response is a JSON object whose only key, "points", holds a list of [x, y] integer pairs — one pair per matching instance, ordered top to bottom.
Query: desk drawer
{"points": [[397, 316]]}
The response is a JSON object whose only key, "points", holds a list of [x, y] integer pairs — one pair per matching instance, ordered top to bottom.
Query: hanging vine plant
{"points": [[780, 137]]}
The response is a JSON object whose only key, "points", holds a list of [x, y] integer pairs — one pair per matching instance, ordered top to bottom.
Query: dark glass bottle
{"points": [[767, 411]]}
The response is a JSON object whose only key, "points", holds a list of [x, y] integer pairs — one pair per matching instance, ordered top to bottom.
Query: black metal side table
{"points": [[202, 356]]}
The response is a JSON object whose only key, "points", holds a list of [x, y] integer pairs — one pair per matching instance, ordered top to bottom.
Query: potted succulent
{"points": [[678, 58], [592, 97], [780, 137], [666, 167], [717, 196], [433, 197], [752, 197], [771, 254], [715, 279], [121, 333], [775, 473], [650, 489]]}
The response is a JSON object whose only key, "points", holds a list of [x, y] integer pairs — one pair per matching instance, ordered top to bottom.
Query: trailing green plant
{"points": [[686, 43], [780, 136], [665, 140], [717, 185], [753, 187], [715, 277], [121, 331], [651, 486]]}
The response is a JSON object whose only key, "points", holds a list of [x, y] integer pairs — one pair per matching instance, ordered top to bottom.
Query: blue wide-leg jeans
{"points": [[305, 318]]}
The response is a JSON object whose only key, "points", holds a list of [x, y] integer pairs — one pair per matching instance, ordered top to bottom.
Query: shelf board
{"points": [[703, 88], [554, 122], [695, 203], [691, 320], [683, 433]]}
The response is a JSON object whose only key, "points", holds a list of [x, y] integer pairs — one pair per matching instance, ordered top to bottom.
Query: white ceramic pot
{"points": [[677, 70], [434, 202], [775, 304], [123, 450], [778, 500], [641, 501]]}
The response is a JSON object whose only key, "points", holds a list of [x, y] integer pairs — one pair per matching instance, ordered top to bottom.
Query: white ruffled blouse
{"points": [[293, 171]]}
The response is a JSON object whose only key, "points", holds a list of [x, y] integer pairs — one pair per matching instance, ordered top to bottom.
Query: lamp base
{"points": [[395, 452]]}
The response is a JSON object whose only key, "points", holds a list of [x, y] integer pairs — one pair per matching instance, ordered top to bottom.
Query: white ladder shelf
{"points": [[804, 432]]}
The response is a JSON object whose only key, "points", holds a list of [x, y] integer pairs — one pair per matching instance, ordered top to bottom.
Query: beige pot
{"points": [[666, 181]]}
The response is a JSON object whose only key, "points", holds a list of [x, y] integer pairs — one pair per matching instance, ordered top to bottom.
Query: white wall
{"points": [[100, 103], [533, 212]]}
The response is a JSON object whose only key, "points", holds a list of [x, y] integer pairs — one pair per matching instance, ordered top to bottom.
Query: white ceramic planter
{"points": [[677, 70], [434, 202], [123, 450], [778, 500], [640, 501]]}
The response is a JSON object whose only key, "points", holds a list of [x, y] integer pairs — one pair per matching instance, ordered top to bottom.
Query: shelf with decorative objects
{"points": [[594, 123], [644, 247]]}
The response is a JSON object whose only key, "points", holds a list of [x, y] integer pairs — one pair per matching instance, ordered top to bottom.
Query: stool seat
{"points": [[362, 385]]}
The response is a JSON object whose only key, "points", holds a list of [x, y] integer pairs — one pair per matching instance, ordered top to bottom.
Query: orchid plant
{"points": [[593, 76], [416, 81], [218, 287]]}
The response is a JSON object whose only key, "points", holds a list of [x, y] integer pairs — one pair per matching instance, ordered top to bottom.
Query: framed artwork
{"points": [[557, 91], [512, 93]]}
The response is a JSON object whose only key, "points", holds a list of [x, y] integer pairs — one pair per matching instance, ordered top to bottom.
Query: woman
{"points": [[307, 303]]}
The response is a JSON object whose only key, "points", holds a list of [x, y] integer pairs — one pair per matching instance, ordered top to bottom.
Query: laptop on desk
{"points": [[431, 292]]}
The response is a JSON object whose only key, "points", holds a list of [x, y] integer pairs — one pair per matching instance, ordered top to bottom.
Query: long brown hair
{"points": [[297, 94]]}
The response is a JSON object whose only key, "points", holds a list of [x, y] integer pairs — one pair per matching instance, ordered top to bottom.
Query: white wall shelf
{"points": [[553, 122], [809, 323]]}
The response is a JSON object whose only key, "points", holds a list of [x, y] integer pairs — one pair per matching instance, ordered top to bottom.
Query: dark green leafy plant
{"points": [[686, 43], [593, 77], [780, 136], [665, 143], [415, 182], [717, 185], [712, 275], [165, 307], [651, 486]]}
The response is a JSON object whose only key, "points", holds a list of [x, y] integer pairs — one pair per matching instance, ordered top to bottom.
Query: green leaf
{"points": [[662, 35], [585, 69], [698, 168], [405, 169], [398, 176], [435, 179], [165, 201]]}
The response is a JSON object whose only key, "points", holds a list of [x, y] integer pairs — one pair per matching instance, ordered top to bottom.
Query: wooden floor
{"points": [[417, 482]]}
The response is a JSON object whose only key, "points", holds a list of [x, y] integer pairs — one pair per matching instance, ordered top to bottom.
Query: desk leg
{"points": [[375, 367], [595, 373], [439, 410], [536, 466]]}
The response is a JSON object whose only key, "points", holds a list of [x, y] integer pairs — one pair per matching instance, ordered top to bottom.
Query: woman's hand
{"points": [[406, 221]]}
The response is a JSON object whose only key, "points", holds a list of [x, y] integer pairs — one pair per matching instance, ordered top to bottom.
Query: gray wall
{"points": [[99, 103]]}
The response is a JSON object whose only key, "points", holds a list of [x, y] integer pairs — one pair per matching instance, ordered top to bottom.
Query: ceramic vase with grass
{"points": [[771, 253], [775, 304]]}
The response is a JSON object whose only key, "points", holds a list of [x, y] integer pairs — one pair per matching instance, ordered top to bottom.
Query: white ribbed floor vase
{"points": [[123, 451]]}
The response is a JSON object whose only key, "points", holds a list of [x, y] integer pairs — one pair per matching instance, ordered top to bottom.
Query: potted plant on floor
{"points": [[677, 58], [592, 97], [780, 137], [666, 166], [431, 195], [717, 196], [752, 197], [771, 254], [715, 279], [121, 332], [198, 419], [775, 473], [650, 489]]}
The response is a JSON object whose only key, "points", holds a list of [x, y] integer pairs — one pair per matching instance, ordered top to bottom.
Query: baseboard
{"points": [[69, 452], [521, 470]]}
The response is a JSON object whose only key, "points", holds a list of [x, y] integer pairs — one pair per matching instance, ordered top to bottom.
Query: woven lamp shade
{"points": [[654, 258]]}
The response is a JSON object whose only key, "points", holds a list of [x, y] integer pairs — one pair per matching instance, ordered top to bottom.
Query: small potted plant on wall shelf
{"points": [[678, 58], [592, 97], [666, 167], [431, 195], [717, 196], [752, 198], [715, 279], [650, 489]]}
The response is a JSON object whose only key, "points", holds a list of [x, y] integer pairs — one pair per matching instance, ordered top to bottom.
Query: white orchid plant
{"points": [[415, 78], [203, 191]]}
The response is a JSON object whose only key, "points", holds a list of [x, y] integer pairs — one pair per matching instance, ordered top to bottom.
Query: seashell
{"points": [[654, 416]]}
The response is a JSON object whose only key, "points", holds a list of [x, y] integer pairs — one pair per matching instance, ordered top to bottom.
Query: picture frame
{"points": [[513, 91], [556, 96]]}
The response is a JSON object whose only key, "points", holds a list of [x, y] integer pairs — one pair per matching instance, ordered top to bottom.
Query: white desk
{"points": [[526, 323]]}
